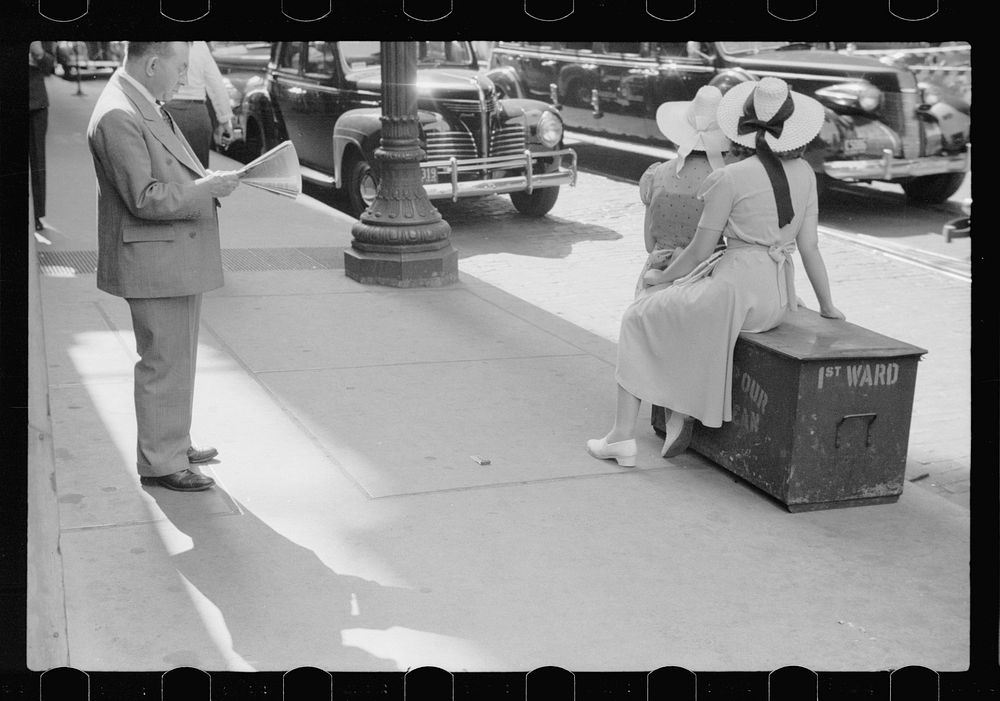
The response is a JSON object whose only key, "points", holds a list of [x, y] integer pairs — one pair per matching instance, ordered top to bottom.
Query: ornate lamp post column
{"points": [[401, 240]]}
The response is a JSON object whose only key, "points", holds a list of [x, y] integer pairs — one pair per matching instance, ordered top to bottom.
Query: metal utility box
{"points": [[821, 414]]}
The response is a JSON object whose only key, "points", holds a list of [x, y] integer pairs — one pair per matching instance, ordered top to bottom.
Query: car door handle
{"points": [[548, 63]]}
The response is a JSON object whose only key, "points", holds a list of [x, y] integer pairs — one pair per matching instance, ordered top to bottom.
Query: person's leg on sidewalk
{"points": [[194, 121], [38, 122], [166, 331], [619, 443]]}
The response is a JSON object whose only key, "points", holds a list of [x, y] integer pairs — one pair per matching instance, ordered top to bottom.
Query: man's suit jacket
{"points": [[158, 236]]}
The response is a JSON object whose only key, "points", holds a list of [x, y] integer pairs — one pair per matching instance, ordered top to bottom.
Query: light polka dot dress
{"points": [[672, 207]]}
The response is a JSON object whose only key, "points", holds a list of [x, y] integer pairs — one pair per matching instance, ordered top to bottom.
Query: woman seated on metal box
{"points": [[670, 190], [675, 348]]}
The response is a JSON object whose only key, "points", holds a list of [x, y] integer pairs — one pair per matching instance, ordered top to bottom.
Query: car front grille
{"points": [[468, 106], [900, 112], [507, 140], [504, 141], [442, 145]]}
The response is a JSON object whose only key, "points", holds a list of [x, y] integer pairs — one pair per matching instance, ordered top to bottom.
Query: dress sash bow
{"points": [[749, 122], [785, 264]]}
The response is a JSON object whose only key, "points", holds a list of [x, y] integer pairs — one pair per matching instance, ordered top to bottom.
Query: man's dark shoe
{"points": [[199, 455], [183, 481]]}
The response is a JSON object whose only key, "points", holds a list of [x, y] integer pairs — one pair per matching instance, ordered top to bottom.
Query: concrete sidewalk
{"points": [[352, 530]]}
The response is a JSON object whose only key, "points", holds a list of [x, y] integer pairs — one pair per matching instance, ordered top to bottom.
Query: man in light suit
{"points": [[158, 247]]}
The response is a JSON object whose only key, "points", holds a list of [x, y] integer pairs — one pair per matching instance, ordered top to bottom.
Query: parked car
{"points": [[89, 59], [243, 65], [325, 96], [879, 124]]}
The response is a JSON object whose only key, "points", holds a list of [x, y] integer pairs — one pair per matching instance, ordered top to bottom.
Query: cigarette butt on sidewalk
{"points": [[480, 459], [920, 477]]}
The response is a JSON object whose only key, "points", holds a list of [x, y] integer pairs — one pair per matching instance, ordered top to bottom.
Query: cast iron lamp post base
{"points": [[401, 240]]}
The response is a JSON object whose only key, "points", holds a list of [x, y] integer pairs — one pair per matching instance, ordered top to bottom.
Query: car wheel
{"points": [[578, 93], [256, 143], [361, 183], [933, 188], [824, 189], [538, 203]]}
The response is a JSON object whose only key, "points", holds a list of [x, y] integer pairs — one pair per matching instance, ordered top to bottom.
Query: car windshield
{"points": [[752, 47], [359, 55]]}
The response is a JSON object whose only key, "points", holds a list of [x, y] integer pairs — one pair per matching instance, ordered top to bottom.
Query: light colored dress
{"points": [[673, 207], [676, 343]]}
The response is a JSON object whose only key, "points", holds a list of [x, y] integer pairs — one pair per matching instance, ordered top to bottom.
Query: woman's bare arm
{"points": [[808, 245]]}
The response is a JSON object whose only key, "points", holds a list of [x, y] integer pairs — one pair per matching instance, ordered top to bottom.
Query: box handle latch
{"points": [[868, 429]]}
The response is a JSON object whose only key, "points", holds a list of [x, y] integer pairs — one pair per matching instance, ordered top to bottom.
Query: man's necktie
{"points": [[167, 118]]}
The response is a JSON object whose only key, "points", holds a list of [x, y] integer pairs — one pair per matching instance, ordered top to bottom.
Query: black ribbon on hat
{"points": [[749, 122]]}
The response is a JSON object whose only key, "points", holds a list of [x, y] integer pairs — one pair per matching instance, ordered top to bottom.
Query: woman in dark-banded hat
{"points": [[675, 348]]}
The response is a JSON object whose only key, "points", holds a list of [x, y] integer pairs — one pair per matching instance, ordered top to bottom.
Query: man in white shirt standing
{"points": [[189, 108]]}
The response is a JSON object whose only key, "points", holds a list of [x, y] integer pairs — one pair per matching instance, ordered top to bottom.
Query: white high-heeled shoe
{"points": [[677, 436], [622, 452]]}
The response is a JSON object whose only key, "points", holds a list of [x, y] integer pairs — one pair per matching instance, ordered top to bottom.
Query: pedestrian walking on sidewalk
{"points": [[41, 63], [203, 90], [670, 190], [158, 247], [675, 348]]}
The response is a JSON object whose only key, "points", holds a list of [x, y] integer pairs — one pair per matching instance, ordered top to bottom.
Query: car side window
{"points": [[622, 47], [673, 49], [359, 55], [288, 58], [321, 59]]}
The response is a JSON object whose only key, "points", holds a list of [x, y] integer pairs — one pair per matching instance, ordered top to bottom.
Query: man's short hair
{"points": [[139, 49]]}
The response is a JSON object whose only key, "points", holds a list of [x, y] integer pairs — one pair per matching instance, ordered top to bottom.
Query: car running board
{"points": [[314, 176]]}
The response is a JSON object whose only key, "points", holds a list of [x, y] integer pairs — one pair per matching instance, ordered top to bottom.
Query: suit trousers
{"points": [[194, 121], [38, 124], [166, 339]]}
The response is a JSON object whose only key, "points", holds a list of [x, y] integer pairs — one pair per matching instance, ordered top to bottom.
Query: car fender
{"points": [[575, 71], [728, 77], [507, 79], [258, 105], [515, 109], [360, 128]]}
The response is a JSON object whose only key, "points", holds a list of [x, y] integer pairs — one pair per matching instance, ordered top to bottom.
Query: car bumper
{"points": [[889, 168], [532, 179]]}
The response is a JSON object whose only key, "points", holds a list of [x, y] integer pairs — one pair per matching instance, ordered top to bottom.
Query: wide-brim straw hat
{"points": [[769, 94], [692, 124]]}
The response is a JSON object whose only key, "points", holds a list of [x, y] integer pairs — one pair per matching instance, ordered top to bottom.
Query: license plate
{"points": [[852, 146], [428, 176]]}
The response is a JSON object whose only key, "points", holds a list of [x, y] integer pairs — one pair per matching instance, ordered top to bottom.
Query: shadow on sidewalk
{"points": [[491, 225], [281, 605]]}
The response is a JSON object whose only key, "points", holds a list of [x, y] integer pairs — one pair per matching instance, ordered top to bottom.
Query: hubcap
{"points": [[368, 187]]}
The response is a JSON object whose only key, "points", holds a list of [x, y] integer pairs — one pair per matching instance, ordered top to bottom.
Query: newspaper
{"points": [[276, 171]]}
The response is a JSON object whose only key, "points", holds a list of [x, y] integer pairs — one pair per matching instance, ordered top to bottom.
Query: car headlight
{"points": [[859, 95], [549, 129]]}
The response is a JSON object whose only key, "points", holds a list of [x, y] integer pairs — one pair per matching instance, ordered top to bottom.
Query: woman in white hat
{"points": [[670, 190], [676, 343]]}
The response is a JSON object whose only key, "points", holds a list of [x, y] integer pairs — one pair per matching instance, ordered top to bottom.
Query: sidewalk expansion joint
{"points": [[84, 262], [448, 361], [526, 483]]}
